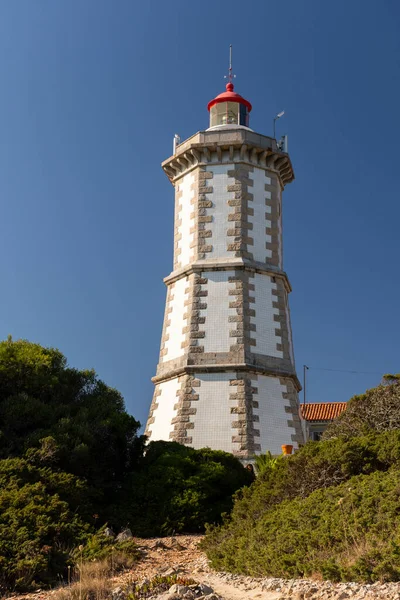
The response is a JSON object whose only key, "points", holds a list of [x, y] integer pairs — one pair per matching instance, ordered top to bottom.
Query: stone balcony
{"points": [[233, 145]]}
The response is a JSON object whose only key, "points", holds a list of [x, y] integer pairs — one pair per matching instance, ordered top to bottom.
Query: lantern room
{"points": [[229, 108]]}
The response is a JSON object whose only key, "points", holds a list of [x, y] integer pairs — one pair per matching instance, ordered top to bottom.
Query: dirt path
{"points": [[181, 555], [228, 591]]}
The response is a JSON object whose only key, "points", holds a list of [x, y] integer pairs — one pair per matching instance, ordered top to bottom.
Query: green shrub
{"points": [[41, 397], [66, 445], [266, 462], [318, 465], [179, 489], [287, 523], [37, 526], [346, 532], [98, 546]]}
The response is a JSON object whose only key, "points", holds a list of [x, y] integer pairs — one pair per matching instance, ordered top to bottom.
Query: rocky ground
{"points": [[180, 555]]}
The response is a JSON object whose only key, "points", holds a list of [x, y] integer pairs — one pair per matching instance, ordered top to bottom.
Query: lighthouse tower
{"points": [[226, 377]]}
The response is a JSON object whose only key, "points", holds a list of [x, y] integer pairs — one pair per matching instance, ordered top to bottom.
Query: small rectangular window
{"points": [[244, 117]]}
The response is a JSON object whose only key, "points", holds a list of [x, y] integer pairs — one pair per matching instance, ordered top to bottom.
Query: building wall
{"points": [[185, 196], [219, 210], [226, 211], [260, 218], [213, 222], [224, 297], [216, 315], [175, 320], [266, 339], [225, 378], [165, 395], [219, 396], [214, 407], [273, 410], [225, 411]]}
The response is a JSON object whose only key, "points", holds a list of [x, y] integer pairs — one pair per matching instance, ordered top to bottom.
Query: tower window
{"points": [[225, 113], [229, 113], [244, 116]]}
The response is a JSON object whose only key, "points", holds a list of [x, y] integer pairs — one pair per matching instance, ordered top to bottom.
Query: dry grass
{"points": [[361, 549], [92, 580], [91, 583]]}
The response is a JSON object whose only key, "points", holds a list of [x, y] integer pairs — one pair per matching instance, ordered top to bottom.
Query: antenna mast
{"points": [[230, 75]]}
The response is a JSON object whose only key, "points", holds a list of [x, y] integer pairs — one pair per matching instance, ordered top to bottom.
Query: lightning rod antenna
{"points": [[230, 75]]}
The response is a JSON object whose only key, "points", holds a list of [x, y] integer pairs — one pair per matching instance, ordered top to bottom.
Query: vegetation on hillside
{"points": [[41, 397], [376, 410], [71, 460], [178, 489], [330, 509], [38, 521]]}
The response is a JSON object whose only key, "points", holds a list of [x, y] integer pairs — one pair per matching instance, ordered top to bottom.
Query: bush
{"points": [[40, 397], [375, 411], [66, 446], [318, 465], [179, 489], [290, 521], [37, 526], [347, 532], [99, 547]]}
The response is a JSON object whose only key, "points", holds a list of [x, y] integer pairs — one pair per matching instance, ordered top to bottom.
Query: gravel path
{"points": [[181, 555]]}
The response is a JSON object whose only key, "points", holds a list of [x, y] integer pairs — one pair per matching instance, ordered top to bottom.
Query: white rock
{"points": [[126, 534], [178, 589]]}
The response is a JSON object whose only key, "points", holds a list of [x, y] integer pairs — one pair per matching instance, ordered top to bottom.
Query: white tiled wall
{"points": [[185, 210], [220, 210], [258, 220], [217, 325], [174, 330], [265, 337], [213, 417], [273, 425], [162, 426]]}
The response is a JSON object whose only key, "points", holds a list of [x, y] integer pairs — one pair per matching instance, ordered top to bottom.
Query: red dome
{"points": [[229, 96]]}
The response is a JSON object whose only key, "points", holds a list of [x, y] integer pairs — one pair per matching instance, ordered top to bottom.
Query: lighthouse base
{"points": [[241, 412]]}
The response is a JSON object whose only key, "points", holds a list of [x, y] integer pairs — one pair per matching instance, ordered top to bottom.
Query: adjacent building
{"points": [[319, 415]]}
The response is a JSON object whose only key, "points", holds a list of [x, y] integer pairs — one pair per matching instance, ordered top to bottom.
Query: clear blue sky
{"points": [[92, 92]]}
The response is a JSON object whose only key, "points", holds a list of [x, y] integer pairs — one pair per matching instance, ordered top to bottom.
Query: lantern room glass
{"points": [[228, 113]]}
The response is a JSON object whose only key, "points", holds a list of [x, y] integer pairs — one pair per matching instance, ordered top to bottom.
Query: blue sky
{"points": [[92, 94]]}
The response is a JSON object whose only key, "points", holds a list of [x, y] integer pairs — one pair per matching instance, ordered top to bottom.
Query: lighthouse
{"points": [[226, 375]]}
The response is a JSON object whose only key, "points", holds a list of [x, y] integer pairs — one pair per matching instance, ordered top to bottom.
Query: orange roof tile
{"points": [[322, 411]]}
